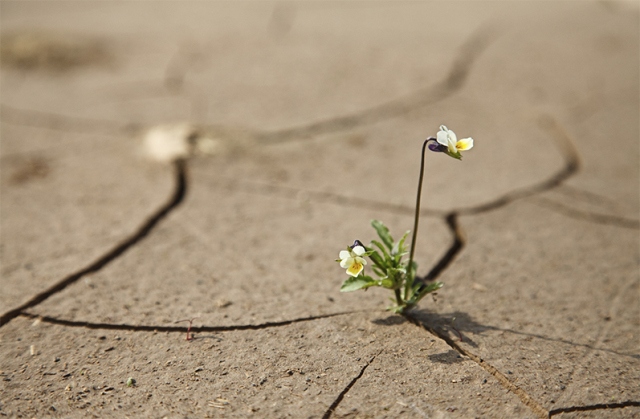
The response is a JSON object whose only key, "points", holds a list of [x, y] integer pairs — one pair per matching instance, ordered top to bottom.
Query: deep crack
{"points": [[455, 80], [177, 197], [454, 249], [180, 329], [336, 402], [593, 407]]}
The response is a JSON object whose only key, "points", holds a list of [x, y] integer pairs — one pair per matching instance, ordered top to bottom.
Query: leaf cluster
{"points": [[392, 270]]}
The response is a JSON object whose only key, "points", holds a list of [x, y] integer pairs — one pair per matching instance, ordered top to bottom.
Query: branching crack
{"points": [[455, 80], [562, 139], [571, 166], [175, 200], [345, 390], [526, 399]]}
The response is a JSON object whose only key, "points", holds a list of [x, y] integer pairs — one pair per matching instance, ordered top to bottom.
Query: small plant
{"points": [[392, 269], [189, 334]]}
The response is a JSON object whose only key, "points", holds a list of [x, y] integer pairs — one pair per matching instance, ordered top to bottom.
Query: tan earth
{"points": [[163, 161]]}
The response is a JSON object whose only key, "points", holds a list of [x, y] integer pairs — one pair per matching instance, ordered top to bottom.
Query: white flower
{"points": [[448, 138], [352, 260]]}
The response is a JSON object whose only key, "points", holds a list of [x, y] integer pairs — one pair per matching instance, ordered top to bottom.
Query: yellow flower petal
{"points": [[465, 144], [355, 269]]}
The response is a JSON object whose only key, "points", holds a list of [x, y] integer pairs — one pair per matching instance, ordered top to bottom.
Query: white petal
{"points": [[452, 136], [442, 137], [465, 144], [452, 146], [358, 250], [344, 254], [361, 261], [347, 263]]}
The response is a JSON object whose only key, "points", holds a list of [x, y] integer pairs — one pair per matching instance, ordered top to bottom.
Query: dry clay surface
{"points": [[163, 161]]}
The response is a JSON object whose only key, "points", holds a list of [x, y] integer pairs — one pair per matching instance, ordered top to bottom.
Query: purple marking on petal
{"points": [[434, 147], [438, 147], [357, 243]]}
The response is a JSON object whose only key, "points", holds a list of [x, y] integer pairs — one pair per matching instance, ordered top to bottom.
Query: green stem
{"points": [[409, 282], [398, 298]]}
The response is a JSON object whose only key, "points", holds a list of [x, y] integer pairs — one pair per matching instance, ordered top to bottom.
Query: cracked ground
{"points": [[295, 124]]}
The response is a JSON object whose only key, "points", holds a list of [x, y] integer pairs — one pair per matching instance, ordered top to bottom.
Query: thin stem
{"points": [[409, 283], [398, 298], [189, 336]]}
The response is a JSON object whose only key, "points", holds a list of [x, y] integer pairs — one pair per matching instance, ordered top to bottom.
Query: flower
{"points": [[449, 143], [352, 260]]}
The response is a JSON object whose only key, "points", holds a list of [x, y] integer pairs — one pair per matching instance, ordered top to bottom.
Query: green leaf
{"points": [[383, 232], [381, 247], [399, 248], [377, 259], [378, 271], [357, 283], [434, 286]]}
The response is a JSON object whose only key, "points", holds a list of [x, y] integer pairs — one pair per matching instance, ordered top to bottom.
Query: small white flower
{"points": [[448, 138], [352, 260]]}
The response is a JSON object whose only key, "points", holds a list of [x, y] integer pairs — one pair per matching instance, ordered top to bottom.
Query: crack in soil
{"points": [[456, 77], [454, 81], [53, 121], [563, 140], [571, 166], [587, 196], [176, 199], [592, 217], [454, 249], [180, 329], [558, 340], [345, 390], [525, 398], [592, 407]]}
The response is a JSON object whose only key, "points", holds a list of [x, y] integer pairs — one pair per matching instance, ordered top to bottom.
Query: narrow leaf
{"points": [[383, 232], [381, 247], [399, 248], [377, 259], [357, 283], [427, 289]]}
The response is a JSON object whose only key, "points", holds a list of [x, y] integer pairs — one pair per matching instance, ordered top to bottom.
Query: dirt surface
{"points": [[165, 161]]}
